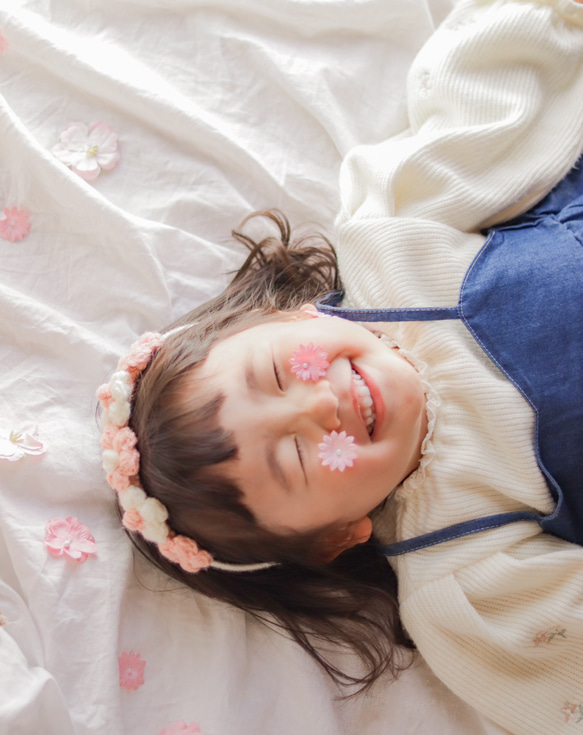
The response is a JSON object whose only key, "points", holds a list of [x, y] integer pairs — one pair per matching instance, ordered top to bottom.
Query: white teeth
{"points": [[365, 402]]}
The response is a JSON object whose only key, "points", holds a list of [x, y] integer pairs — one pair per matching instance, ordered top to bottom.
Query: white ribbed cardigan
{"points": [[496, 120]]}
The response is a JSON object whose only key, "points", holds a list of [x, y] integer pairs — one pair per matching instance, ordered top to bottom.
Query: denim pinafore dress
{"points": [[522, 301]]}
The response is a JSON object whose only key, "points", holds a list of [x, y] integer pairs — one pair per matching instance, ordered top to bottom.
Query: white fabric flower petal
{"points": [[87, 149], [16, 440]]}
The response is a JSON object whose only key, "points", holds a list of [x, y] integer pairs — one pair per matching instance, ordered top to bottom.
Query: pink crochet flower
{"points": [[4, 45], [87, 149], [15, 225], [141, 353], [309, 363], [104, 396], [108, 436], [16, 440], [337, 451], [132, 520], [69, 536], [184, 551], [131, 670], [181, 728]]}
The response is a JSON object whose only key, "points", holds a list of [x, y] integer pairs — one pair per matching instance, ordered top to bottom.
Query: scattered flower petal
{"points": [[4, 45], [87, 149], [15, 225], [309, 363], [16, 440], [337, 451], [69, 536], [3, 620], [131, 670], [181, 728]]}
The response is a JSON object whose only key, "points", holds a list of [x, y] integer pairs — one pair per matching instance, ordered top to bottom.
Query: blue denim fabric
{"points": [[522, 301]]}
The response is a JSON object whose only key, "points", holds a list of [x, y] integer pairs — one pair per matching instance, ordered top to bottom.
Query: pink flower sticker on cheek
{"points": [[309, 362], [337, 451]]}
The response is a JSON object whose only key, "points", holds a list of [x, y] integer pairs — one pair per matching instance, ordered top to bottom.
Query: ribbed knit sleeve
{"points": [[496, 120]]}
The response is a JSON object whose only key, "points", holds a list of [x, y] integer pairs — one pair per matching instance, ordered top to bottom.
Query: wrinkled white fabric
{"points": [[221, 108]]}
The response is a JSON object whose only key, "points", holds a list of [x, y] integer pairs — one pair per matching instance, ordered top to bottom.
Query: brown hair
{"points": [[351, 602]]}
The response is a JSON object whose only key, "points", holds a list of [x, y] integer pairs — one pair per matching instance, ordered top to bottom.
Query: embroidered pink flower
{"points": [[4, 45], [87, 149], [15, 225], [309, 363], [16, 440], [337, 451], [69, 536], [185, 552], [546, 636], [131, 670], [572, 712], [181, 728]]}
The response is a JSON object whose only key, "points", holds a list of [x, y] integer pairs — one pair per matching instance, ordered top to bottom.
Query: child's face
{"points": [[278, 420]]}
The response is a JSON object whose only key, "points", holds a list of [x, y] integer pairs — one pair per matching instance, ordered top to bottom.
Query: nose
{"points": [[314, 405]]}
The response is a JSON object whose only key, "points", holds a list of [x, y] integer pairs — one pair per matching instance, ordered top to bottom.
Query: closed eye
{"points": [[277, 376], [300, 457]]}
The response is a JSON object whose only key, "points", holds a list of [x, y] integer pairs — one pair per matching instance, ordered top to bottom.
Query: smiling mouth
{"points": [[365, 402]]}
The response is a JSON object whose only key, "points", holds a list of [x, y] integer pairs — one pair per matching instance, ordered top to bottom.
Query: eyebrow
{"points": [[251, 376], [272, 461]]}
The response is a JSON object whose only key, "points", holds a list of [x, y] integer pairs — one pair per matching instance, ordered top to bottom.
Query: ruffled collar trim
{"points": [[433, 401]]}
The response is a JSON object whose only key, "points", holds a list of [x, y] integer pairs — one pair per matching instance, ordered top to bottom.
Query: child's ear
{"points": [[308, 307], [346, 537]]}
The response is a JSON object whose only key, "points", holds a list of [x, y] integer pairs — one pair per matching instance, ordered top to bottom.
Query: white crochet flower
{"points": [[120, 386], [151, 511]]}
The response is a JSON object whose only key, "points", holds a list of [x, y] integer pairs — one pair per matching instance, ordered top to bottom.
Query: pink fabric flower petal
{"points": [[4, 45], [74, 136], [103, 136], [15, 225], [309, 363], [337, 451], [69, 536], [131, 670], [181, 728]]}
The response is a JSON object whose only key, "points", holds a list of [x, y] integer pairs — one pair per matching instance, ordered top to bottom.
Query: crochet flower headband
{"points": [[121, 459]]}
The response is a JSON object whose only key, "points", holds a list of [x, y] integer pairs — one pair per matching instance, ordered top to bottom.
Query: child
{"points": [[272, 443]]}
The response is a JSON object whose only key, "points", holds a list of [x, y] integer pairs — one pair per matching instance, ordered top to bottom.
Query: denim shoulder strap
{"points": [[328, 305]]}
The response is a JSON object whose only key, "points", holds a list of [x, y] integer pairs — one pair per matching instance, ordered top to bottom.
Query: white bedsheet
{"points": [[222, 107]]}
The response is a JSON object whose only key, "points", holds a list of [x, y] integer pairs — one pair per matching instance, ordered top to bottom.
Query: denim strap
{"points": [[327, 305], [457, 531]]}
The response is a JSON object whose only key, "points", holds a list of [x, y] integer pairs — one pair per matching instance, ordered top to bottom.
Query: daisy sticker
{"points": [[15, 224], [309, 363], [337, 451]]}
